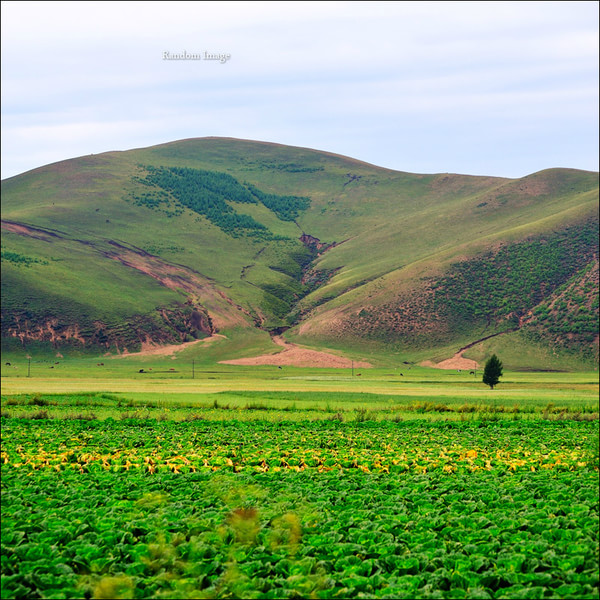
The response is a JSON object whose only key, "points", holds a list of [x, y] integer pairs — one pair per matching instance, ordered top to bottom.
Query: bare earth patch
{"points": [[169, 350], [294, 356], [456, 362]]}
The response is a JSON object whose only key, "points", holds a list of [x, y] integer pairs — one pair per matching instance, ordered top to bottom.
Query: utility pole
{"points": [[28, 366]]}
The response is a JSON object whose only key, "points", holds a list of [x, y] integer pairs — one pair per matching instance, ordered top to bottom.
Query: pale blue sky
{"points": [[479, 88]]}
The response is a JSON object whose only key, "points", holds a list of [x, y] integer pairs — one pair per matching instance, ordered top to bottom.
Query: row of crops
{"points": [[232, 509]]}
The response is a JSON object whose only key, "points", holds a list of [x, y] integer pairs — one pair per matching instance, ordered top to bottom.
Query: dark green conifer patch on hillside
{"points": [[207, 193], [287, 208], [20, 259]]}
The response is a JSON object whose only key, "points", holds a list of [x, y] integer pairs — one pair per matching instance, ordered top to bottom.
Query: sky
{"points": [[476, 88]]}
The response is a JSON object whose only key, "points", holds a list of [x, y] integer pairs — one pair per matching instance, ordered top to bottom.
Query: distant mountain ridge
{"points": [[175, 242]]}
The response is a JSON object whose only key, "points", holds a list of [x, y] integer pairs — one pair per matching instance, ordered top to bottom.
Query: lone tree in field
{"points": [[492, 371]]}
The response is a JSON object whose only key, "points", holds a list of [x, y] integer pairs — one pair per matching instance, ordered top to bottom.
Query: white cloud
{"points": [[342, 76]]}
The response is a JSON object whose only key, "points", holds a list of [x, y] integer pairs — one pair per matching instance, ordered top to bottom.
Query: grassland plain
{"points": [[239, 482]]}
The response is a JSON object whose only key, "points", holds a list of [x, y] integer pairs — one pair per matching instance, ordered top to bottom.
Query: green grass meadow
{"points": [[164, 384]]}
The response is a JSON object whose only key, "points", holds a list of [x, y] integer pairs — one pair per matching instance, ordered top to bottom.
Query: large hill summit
{"points": [[249, 241]]}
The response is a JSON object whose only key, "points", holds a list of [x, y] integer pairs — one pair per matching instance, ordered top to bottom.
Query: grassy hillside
{"points": [[175, 242]]}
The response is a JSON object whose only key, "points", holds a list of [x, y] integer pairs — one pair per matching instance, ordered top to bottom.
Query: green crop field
{"points": [[215, 481]]}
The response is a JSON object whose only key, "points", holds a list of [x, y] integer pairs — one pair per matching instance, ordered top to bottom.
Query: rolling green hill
{"points": [[176, 242]]}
